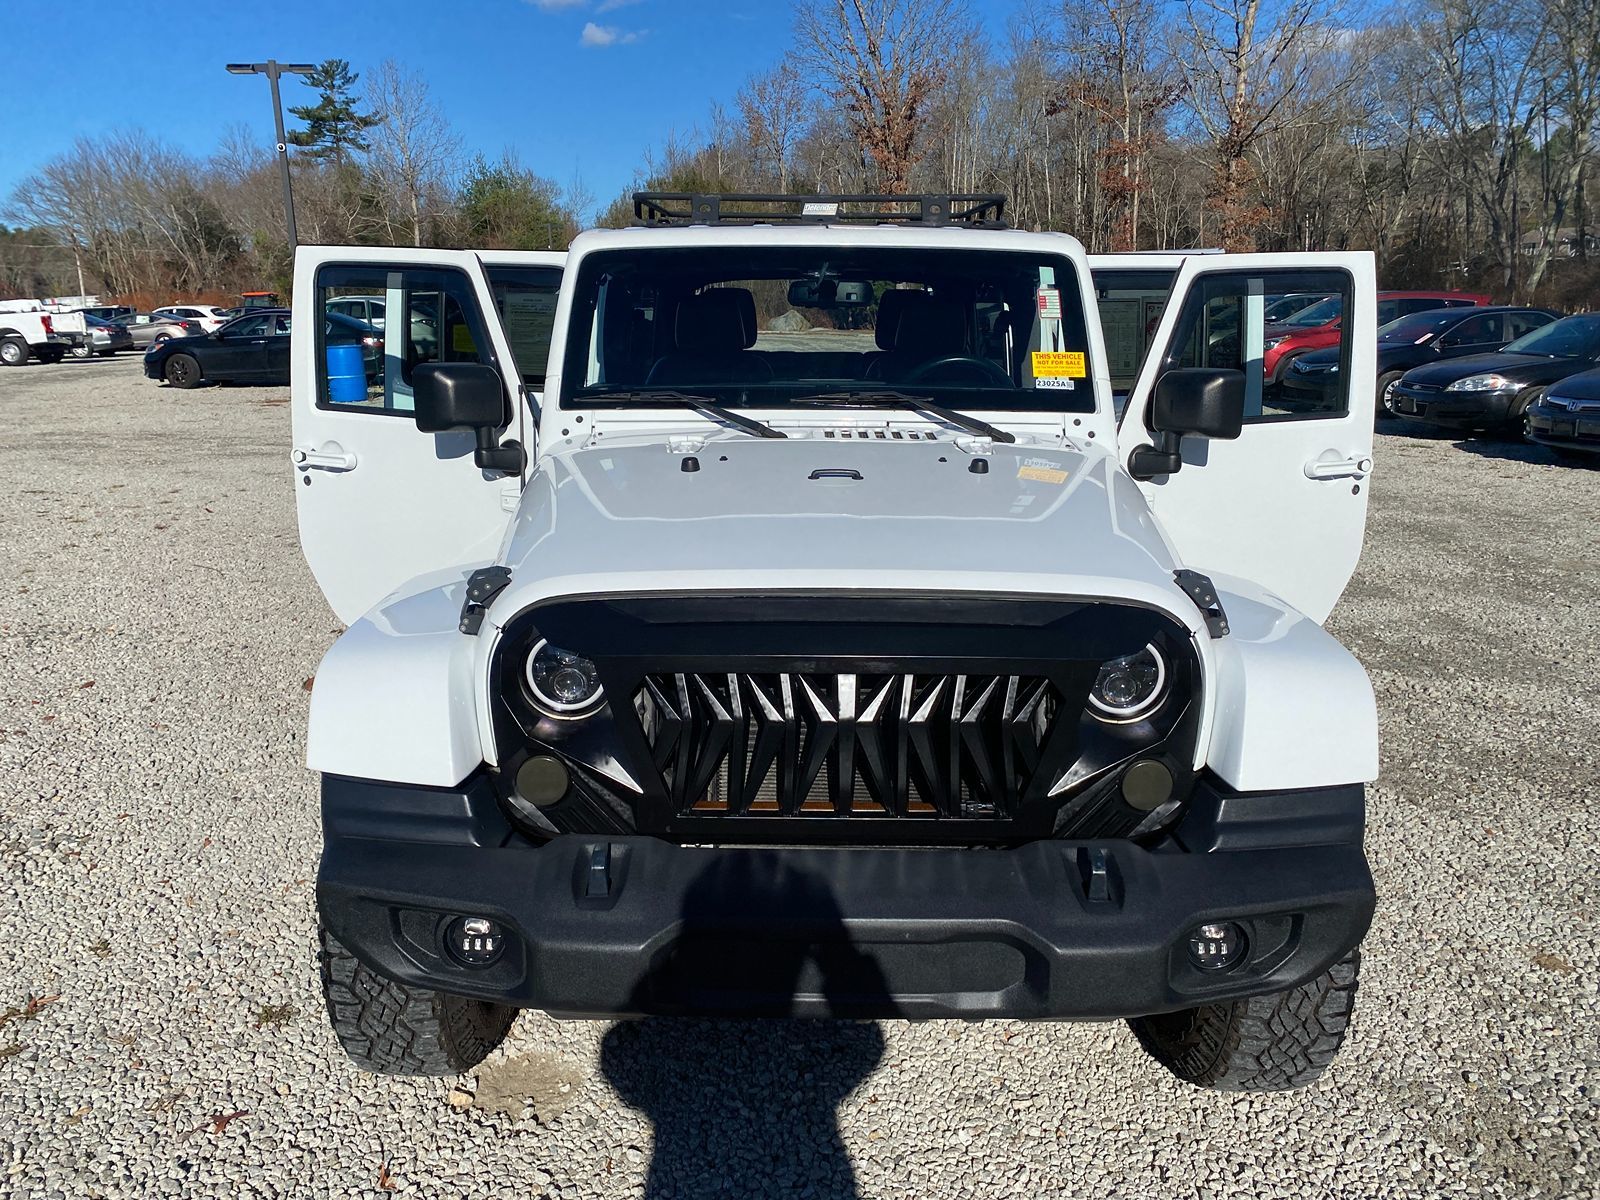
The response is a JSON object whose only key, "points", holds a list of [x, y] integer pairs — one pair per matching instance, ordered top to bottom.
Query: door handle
{"points": [[334, 459], [1337, 468]]}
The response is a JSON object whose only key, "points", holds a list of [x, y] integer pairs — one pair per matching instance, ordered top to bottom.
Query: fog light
{"points": [[542, 780], [1147, 785], [475, 941], [1216, 947]]}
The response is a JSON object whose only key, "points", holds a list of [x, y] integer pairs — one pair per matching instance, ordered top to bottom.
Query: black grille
{"points": [[975, 747]]}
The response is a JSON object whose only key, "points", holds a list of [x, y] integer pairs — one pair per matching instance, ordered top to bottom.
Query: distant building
{"points": [[1566, 243]]}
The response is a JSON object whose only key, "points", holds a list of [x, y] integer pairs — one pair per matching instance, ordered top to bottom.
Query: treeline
{"points": [[1455, 138]]}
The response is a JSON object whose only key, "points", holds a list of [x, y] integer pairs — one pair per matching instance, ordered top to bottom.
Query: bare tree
{"points": [[881, 60], [1245, 63], [773, 105], [412, 149]]}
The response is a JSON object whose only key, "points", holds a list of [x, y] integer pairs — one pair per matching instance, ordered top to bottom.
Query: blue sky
{"points": [[575, 87]]}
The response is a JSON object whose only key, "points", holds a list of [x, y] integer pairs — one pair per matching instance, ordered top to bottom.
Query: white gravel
{"points": [[158, 837]]}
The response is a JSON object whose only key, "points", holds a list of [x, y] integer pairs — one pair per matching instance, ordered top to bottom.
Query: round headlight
{"points": [[563, 684], [1128, 688]]}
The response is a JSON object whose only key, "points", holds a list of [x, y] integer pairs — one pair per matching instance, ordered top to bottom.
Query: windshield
{"points": [[761, 326], [1417, 327], [1570, 337]]}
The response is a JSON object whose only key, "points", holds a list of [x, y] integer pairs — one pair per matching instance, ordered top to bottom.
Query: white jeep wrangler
{"points": [[814, 639]]}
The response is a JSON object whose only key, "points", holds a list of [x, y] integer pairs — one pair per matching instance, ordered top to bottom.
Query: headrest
{"points": [[892, 306], [717, 321], [932, 329]]}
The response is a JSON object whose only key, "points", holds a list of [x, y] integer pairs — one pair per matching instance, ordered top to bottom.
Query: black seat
{"points": [[924, 330], [713, 333]]}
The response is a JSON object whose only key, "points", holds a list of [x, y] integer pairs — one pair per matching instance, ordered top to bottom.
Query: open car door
{"points": [[379, 501], [1285, 504]]}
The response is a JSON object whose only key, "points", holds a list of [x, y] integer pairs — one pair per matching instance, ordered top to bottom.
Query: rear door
{"points": [[379, 501], [1285, 504]]}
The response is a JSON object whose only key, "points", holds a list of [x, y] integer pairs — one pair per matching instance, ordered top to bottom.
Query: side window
{"points": [[526, 298], [1131, 303], [1388, 310], [1222, 324], [1518, 324], [282, 326], [248, 327], [1478, 331], [363, 367]]}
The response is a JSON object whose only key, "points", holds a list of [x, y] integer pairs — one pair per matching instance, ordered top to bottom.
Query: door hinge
{"points": [[483, 585], [1203, 592]]}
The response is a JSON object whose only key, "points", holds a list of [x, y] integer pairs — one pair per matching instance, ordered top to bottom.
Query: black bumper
{"points": [[1461, 409], [1564, 428], [635, 925]]}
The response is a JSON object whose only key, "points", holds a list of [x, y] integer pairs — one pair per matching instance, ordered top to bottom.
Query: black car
{"points": [[1419, 339], [251, 349], [1493, 391], [1566, 417]]}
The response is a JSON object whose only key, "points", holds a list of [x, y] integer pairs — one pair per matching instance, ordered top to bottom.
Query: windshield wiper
{"points": [[903, 400], [701, 404]]}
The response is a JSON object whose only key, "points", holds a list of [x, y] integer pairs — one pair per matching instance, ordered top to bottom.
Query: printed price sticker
{"points": [[1050, 304], [1059, 364], [1041, 474]]}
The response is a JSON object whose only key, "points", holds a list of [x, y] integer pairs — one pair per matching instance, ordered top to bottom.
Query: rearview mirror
{"points": [[829, 293], [465, 395], [1203, 402]]}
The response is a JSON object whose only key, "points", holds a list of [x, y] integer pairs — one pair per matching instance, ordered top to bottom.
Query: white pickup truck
{"points": [[28, 331]]}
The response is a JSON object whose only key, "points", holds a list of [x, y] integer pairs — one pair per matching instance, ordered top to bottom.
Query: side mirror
{"points": [[461, 395], [1203, 402]]}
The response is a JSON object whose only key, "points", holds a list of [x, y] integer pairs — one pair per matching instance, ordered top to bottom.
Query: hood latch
{"points": [[483, 585], [1203, 592]]}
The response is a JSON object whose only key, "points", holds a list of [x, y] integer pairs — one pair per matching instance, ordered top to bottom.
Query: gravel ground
{"points": [[162, 1029]]}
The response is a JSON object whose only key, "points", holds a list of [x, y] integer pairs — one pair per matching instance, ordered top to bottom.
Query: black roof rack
{"points": [[975, 210]]}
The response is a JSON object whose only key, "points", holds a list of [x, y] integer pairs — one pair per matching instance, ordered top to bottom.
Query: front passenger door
{"points": [[1476, 335], [241, 349]]}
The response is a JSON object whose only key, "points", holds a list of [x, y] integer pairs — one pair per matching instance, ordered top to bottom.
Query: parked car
{"points": [[1281, 308], [373, 310], [109, 312], [210, 316], [1317, 327], [145, 328], [30, 332], [104, 338], [1421, 338], [251, 349], [1494, 391], [1566, 417]]}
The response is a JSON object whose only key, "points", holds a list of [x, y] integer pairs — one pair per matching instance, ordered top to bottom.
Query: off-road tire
{"points": [[13, 352], [183, 371], [392, 1029], [1263, 1044]]}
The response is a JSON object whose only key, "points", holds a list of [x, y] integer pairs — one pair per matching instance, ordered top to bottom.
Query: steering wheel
{"points": [[982, 365]]}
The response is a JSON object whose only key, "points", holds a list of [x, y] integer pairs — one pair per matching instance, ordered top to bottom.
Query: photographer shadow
{"points": [[742, 1107]]}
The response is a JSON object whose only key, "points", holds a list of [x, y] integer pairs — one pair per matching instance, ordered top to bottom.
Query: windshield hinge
{"points": [[483, 585], [1203, 592]]}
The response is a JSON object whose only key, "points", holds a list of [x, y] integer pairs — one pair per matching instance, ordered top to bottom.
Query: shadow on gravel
{"points": [[1515, 450], [746, 1108]]}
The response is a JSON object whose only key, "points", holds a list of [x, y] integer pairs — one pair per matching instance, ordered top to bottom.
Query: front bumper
{"points": [[1463, 409], [1557, 425], [601, 926]]}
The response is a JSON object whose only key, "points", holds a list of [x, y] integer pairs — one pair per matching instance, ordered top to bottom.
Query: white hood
{"points": [[629, 519]]}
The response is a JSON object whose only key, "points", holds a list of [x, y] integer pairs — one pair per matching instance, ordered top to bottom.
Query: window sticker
{"points": [[1050, 303], [1058, 364], [1065, 385]]}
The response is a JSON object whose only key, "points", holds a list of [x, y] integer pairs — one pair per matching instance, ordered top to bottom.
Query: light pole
{"points": [[272, 69]]}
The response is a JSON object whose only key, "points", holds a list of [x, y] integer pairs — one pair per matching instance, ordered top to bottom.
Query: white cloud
{"points": [[607, 35]]}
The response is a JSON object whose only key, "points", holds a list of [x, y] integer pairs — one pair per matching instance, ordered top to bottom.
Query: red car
{"points": [[1318, 326]]}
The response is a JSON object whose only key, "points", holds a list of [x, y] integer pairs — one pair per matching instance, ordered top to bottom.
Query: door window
{"points": [[526, 298], [1131, 303], [1520, 323], [1222, 325], [249, 327], [1487, 330], [364, 368]]}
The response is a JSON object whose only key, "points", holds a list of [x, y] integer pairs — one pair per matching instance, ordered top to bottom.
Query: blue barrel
{"points": [[347, 374]]}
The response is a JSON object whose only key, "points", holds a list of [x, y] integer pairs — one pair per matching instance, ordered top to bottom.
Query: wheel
{"points": [[82, 350], [13, 352], [1281, 367], [183, 371], [1386, 383], [1517, 414], [393, 1029], [1262, 1044]]}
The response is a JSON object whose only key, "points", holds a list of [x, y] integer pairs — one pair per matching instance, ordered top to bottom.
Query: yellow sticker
{"points": [[1059, 364], [1041, 474]]}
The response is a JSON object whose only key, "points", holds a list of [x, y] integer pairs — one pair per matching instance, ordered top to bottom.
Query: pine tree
{"points": [[333, 126]]}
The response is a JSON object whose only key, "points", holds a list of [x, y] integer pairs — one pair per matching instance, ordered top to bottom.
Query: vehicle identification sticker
{"points": [[1059, 364], [1047, 382], [1038, 471]]}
